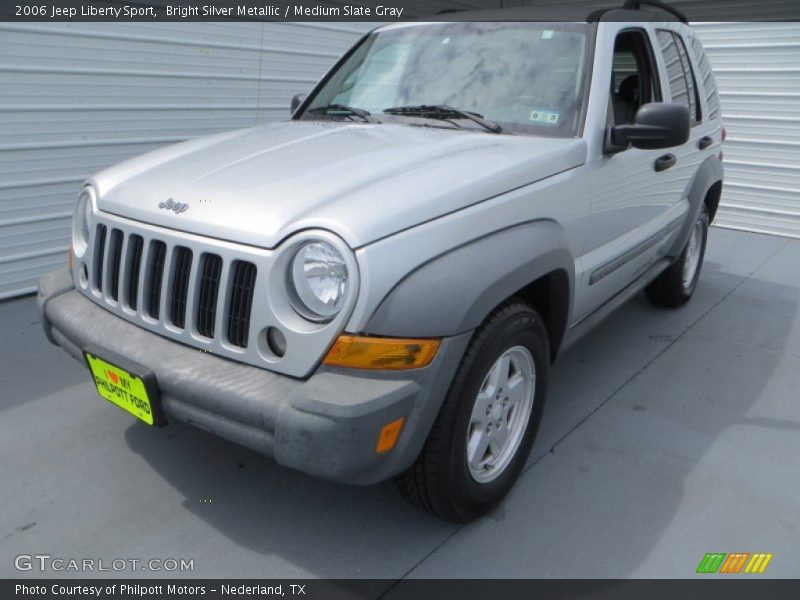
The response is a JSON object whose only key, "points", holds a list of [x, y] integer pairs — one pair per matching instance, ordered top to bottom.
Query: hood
{"points": [[360, 181]]}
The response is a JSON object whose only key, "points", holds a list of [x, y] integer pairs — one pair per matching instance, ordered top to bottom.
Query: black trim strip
{"points": [[622, 260]]}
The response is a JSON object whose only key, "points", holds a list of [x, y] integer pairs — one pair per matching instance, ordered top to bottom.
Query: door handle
{"points": [[705, 142], [665, 162]]}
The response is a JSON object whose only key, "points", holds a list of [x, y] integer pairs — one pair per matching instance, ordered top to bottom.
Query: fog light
{"points": [[276, 341], [394, 354]]}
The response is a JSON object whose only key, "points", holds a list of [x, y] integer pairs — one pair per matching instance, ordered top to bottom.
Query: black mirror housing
{"points": [[297, 100], [656, 125]]}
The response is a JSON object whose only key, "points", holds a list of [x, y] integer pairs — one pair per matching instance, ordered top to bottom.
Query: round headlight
{"points": [[80, 222], [318, 281]]}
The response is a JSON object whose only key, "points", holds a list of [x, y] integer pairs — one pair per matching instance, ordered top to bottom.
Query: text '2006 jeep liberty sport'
{"points": [[377, 287]]}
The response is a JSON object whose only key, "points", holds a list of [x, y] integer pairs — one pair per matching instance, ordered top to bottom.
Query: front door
{"points": [[638, 196]]}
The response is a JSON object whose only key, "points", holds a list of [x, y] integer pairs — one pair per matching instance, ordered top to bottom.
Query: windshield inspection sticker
{"points": [[545, 117]]}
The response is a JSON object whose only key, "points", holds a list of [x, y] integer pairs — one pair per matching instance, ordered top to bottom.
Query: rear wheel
{"points": [[676, 285], [486, 427]]}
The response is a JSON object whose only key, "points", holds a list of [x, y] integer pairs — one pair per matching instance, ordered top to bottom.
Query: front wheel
{"points": [[676, 285], [486, 427]]}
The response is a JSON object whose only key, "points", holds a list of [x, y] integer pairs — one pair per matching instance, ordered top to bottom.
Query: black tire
{"points": [[669, 288], [439, 481]]}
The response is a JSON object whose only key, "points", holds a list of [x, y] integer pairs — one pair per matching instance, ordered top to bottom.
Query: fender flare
{"points": [[708, 174], [455, 291]]}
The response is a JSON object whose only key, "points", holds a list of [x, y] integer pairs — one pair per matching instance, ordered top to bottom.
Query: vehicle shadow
{"points": [[645, 487], [616, 491], [301, 526]]}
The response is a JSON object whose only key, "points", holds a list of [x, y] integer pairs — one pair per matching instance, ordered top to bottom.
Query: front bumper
{"points": [[326, 425]]}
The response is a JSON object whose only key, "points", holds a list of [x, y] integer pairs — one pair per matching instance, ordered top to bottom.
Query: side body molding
{"points": [[455, 291]]}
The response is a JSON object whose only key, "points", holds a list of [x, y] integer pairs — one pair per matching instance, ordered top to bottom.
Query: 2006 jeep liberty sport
{"points": [[378, 286]]}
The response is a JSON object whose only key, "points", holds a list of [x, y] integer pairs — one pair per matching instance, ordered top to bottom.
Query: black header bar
{"points": [[387, 10], [708, 587]]}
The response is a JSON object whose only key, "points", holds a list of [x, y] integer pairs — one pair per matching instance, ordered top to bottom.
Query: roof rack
{"points": [[637, 4]]}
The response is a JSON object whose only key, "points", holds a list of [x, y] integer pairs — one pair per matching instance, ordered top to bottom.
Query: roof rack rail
{"points": [[637, 4]]}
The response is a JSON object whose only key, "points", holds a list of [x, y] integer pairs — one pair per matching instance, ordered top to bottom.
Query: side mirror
{"points": [[297, 100], [656, 125]]}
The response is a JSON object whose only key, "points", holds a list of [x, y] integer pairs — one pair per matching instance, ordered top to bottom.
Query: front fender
{"points": [[455, 291]]}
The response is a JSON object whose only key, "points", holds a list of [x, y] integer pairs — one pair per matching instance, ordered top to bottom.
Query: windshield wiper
{"points": [[344, 110], [443, 111]]}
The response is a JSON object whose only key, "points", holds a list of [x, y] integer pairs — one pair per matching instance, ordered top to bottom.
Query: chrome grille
{"points": [[173, 268], [215, 295]]}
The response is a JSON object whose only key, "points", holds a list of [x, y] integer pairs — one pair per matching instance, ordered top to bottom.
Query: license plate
{"points": [[128, 385]]}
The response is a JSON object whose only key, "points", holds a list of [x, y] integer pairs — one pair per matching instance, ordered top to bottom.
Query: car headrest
{"points": [[629, 89]]}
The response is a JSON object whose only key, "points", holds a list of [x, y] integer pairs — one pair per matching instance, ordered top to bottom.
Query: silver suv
{"points": [[378, 286]]}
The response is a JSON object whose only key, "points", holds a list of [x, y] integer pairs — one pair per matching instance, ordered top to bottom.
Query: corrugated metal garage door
{"points": [[757, 68], [75, 98]]}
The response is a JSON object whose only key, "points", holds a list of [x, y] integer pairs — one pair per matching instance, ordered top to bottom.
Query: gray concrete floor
{"points": [[668, 434]]}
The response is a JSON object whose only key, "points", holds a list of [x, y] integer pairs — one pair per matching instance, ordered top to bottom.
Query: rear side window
{"points": [[679, 72], [706, 79]]}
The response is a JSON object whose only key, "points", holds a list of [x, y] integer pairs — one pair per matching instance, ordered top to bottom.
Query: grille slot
{"points": [[135, 247], [99, 257], [115, 258], [182, 268], [210, 273], [155, 274], [242, 288]]}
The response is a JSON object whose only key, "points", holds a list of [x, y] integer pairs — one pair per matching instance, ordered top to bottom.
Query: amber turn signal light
{"points": [[69, 258], [394, 354], [388, 435]]}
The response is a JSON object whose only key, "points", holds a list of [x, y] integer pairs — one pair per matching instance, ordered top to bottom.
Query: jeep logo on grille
{"points": [[176, 207]]}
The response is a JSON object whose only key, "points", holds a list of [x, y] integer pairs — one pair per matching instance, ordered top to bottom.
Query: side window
{"points": [[624, 66], [679, 72], [707, 79], [632, 81], [694, 99]]}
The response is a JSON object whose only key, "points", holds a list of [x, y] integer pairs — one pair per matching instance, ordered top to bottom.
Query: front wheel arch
{"points": [[456, 291]]}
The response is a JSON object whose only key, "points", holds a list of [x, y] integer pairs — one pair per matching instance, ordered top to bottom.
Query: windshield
{"points": [[526, 77]]}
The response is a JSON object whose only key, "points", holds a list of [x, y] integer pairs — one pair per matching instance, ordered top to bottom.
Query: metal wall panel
{"points": [[757, 68], [77, 97]]}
